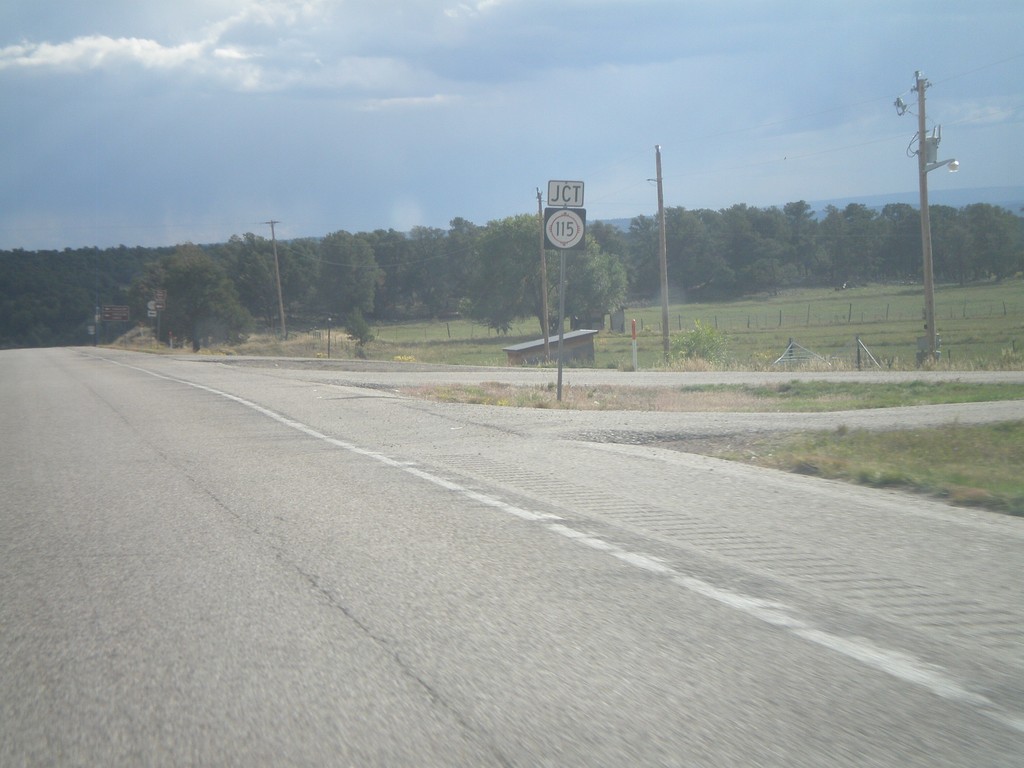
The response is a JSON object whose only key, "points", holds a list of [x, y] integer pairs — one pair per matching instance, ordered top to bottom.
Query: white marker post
{"points": [[634, 344]]}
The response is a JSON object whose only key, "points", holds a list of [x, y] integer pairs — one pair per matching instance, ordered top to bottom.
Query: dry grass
{"points": [[793, 396], [595, 398], [976, 466]]}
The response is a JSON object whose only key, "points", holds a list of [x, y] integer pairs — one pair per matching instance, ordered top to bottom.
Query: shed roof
{"points": [[551, 340]]}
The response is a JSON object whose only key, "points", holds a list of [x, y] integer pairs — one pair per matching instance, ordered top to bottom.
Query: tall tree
{"points": [[608, 237], [863, 237], [832, 239], [995, 239], [851, 240], [900, 247], [803, 249], [462, 252], [952, 257], [642, 262], [250, 263], [300, 273], [348, 274], [506, 279], [395, 280], [596, 282], [433, 287], [201, 300]]}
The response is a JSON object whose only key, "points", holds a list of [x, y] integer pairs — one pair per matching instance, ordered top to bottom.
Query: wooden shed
{"points": [[577, 346]]}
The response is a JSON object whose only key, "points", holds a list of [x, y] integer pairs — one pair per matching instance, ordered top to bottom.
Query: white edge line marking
{"points": [[896, 664]]}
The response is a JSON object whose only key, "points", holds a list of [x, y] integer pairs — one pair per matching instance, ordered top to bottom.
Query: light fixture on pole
{"points": [[927, 154]]}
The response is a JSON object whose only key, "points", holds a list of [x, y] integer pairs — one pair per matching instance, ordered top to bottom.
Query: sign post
{"points": [[565, 229], [159, 304]]}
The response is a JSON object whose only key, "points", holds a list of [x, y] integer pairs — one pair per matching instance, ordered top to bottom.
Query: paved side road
{"points": [[642, 427], [216, 564]]}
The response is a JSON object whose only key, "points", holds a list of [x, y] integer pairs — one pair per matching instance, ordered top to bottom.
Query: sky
{"points": [[131, 122]]}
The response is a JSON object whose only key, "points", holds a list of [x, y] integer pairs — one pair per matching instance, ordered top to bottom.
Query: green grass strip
{"points": [[966, 465]]}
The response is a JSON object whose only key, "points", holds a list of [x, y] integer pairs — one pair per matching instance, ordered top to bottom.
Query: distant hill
{"points": [[1011, 198]]}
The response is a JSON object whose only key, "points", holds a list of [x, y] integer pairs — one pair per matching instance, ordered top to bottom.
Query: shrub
{"points": [[359, 329], [704, 342]]}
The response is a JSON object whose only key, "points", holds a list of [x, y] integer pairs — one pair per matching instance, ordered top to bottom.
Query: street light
{"points": [[927, 154]]}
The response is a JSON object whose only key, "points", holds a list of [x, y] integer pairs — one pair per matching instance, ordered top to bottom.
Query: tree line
{"points": [[491, 272]]}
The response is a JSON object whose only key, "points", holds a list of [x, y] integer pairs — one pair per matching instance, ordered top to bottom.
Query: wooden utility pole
{"points": [[926, 229], [662, 256], [277, 274], [545, 323]]}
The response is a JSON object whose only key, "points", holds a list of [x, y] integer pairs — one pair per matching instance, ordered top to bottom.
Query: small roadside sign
{"points": [[565, 228], [115, 313]]}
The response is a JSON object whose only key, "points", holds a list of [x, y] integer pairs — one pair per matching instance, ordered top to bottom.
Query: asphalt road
{"points": [[291, 564]]}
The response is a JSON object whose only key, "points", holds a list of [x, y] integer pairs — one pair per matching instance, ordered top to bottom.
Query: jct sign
{"points": [[565, 194]]}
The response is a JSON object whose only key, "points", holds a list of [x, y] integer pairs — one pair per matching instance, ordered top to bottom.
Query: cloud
{"points": [[472, 9], [267, 14], [263, 47], [202, 48], [98, 51], [231, 53], [366, 100], [437, 100], [985, 114]]}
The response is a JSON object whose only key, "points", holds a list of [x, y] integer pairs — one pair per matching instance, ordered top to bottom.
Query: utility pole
{"points": [[920, 85], [927, 161], [662, 255], [277, 274], [546, 327]]}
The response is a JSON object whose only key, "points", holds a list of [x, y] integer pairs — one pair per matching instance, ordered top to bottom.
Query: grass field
{"points": [[981, 327], [976, 466]]}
